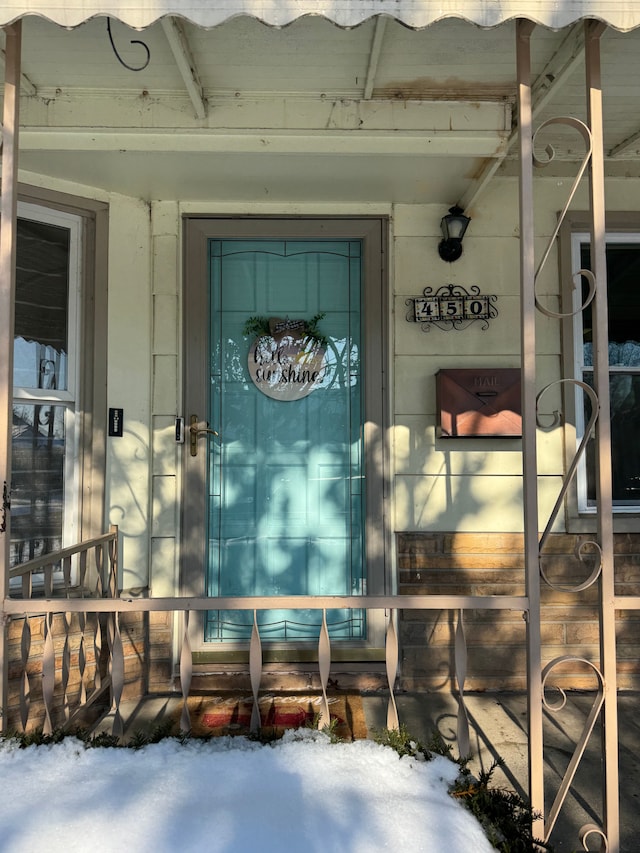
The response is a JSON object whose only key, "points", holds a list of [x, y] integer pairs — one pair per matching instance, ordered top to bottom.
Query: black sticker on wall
{"points": [[115, 422]]}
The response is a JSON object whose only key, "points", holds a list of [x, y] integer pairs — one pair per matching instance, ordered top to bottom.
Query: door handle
{"points": [[197, 428]]}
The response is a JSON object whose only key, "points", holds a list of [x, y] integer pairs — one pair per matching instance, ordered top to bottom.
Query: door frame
{"points": [[373, 231]]}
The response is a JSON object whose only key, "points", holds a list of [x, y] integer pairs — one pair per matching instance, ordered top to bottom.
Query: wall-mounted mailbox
{"points": [[481, 402]]}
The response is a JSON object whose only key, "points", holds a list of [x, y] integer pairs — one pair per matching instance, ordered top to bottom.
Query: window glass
{"points": [[623, 272], [623, 275], [42, 302], [44, 482], [37, 493]]}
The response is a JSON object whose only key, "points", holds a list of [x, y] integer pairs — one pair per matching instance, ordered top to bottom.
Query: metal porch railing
{"points": [[86, 573], [81, 583], [99, 607], [103, 611]]}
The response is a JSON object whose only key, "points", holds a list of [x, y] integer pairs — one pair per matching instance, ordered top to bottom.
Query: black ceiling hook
{"points": [[133, 41]]}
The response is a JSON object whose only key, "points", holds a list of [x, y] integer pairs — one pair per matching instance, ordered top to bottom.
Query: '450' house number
{"points": [[451, 307]]}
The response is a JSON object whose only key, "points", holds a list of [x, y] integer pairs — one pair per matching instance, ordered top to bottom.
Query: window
{"points": [[623, 274], [45, 474]]}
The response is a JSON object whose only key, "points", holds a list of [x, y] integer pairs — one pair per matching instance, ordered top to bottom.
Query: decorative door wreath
{"points": [[287, 357]]}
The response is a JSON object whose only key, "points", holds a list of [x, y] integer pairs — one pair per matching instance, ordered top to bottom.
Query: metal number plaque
{"points": [[451, 307]]}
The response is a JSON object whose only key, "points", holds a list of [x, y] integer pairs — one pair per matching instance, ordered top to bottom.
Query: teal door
{"points": [[285, 493]]}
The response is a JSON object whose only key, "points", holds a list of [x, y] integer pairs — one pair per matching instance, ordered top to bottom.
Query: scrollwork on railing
{"points": [[585, 133], [562, 315], [567, 480], [587, 549], [581, 745], [591, 829]]}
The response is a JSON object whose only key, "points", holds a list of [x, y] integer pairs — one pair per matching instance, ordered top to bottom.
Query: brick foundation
{"points": [[429, 563], [493, 564], [146, 641]]}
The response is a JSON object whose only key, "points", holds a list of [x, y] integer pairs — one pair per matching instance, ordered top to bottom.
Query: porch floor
{"points": [[497, 723]]}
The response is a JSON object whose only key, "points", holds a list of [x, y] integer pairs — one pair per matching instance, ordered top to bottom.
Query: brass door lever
{"points": [[197, 428]]}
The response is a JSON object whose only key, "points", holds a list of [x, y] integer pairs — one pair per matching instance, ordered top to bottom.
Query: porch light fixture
{"points": [[453, 226]]}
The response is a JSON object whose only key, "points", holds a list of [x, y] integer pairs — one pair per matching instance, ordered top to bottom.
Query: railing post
{"points": [[8, 213], [529, 421], [112, 550], [391, 656], [324, 666], [116, 667], [48, 673], [186, 673], [255, 673], [25, 683], [462, 727], [611, 820]]}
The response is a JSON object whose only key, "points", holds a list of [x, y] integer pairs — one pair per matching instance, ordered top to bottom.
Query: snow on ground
{"points": [[231, 795]]}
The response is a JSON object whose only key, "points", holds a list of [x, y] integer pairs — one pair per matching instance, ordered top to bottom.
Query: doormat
{"points": [[215, 716]]}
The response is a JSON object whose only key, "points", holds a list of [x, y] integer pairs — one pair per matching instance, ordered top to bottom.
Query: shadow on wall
{"points": [[128, 485], [488, 559]]}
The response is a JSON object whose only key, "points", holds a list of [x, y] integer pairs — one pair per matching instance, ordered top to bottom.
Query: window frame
{"points": [[620, 227], [66, 399], [84, 400]]}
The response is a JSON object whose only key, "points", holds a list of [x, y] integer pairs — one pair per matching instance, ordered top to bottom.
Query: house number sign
{"points": [[451, 307]]}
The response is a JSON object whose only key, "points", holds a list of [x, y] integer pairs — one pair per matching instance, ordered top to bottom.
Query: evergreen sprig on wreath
{"points": [[256, 327], [259, 327], [313, 331]]}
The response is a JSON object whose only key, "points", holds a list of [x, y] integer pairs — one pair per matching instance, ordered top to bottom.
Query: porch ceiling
{"points": [[248, 112]]}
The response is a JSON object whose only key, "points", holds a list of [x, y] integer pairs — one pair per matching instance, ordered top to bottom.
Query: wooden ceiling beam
{"points": [[179, 44], [374, 56], [555, 74], [27, 87], [630, 142]]}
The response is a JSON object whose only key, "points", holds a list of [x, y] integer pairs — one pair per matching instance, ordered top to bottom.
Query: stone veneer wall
{"points": [[493, 564]]}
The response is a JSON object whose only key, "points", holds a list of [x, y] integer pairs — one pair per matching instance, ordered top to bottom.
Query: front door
{"points": [[276, 364]]}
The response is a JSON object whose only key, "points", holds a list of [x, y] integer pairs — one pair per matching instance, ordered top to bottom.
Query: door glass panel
{"points": [[285, 489]]}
